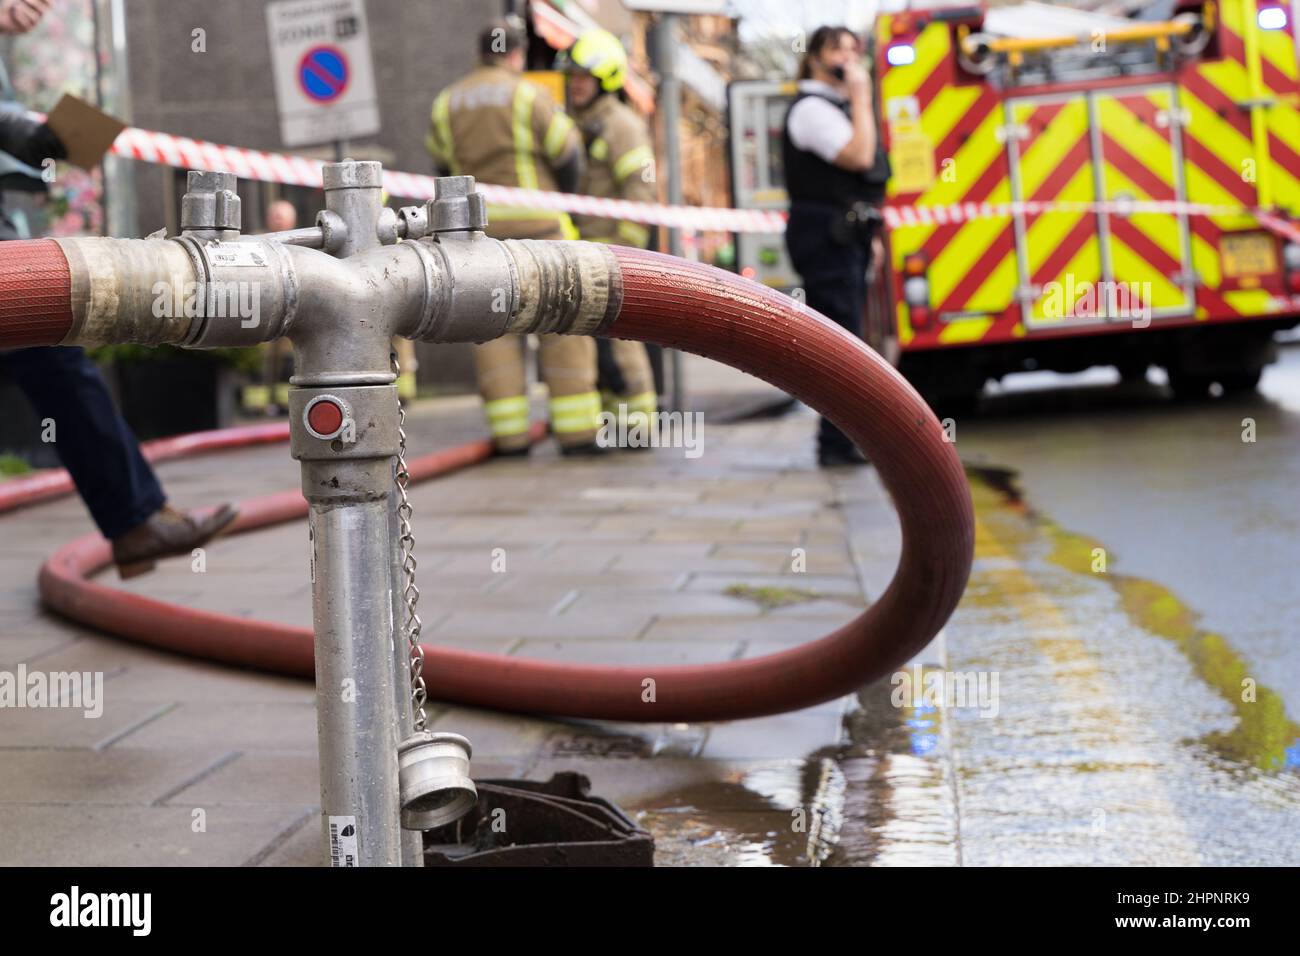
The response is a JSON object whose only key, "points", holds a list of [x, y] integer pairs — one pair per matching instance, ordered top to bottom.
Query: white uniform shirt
{"points": [[817, 126]]}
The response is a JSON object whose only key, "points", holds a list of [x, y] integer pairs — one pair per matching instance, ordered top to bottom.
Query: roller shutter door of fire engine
{"points": [[1057, 249], [1144, 254]]}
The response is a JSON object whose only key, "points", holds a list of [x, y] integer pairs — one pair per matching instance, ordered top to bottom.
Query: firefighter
{"points": [[497, 127], [620, 165], [835, 173]]}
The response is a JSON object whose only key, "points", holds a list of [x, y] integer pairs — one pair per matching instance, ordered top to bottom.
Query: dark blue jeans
{"points": [[834, 275], [92, 439]]}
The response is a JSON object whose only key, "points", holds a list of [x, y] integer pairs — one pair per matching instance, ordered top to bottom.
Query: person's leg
{"points": [[833, 278], [842, 301], [568, 366], [503, 385], [638, 392], [92, 439]]}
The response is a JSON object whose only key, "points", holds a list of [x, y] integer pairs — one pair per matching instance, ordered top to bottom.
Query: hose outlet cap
{"points": [[433, 776]]}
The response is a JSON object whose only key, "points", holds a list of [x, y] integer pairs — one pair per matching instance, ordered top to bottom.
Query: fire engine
{"points": [[1072, 190]]}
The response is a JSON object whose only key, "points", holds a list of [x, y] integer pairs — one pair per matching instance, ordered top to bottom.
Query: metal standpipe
{"points": [[340, 291], [343, 429]]}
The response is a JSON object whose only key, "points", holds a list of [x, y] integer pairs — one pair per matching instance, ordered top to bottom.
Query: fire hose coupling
{"points": [[428, 273], [207, 287], [483, 288], [573, 288]]}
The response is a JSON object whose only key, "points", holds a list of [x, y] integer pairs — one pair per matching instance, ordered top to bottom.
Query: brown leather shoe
{"points": [[165, 533]]}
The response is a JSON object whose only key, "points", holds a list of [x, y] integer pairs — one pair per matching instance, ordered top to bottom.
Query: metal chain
{"points": [[410, 593]]}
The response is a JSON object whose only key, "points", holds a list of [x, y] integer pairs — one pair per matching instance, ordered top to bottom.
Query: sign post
{"points": [[324, 76]]}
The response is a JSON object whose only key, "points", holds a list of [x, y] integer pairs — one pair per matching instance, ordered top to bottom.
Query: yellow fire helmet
{"points": [[601, 54]]}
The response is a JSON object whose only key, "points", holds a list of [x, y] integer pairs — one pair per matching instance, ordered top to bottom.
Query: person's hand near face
{"points": [[845, 56], [856, 78]]}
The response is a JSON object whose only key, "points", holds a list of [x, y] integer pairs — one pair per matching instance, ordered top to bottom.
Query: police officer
{"points": [[497, 127], [620, 165], [835, 172]]}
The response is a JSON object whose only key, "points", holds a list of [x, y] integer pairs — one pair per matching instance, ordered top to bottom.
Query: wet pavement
{"points": [[1133, 591], [1121, 682]]}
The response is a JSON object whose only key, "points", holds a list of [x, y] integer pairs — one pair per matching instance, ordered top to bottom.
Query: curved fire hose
{"points": [[648, 297]]}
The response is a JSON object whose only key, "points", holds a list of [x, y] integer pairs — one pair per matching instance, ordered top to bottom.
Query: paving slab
{"points": [[133, 835]]}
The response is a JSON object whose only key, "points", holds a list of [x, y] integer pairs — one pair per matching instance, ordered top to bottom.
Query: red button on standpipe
{"points": [[325, 417]]}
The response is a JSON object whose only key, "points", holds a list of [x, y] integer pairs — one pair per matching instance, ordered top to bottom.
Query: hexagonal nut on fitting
{"points": [[210, 202], [456, 206]]}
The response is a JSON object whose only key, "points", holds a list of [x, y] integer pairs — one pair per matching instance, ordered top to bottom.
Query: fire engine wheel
{"points": [[1132, 372], [1243, 381], [1189, 387], [1194, 387], [954, 404]]}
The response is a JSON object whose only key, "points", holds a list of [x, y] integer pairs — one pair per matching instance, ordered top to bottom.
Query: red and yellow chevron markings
{"points": [[1199, 117], [963, 121], [1054, 163], [1144, 250]]}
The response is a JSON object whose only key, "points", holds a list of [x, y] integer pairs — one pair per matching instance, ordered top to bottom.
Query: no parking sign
{"points": [[324, 78]]}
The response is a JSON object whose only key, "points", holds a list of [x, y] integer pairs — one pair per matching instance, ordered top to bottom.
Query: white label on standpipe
{"points": [[236, 254], [343, 841]]}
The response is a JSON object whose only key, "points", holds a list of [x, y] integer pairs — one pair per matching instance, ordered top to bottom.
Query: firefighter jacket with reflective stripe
{"points": [[499, 128], [620, 165]]}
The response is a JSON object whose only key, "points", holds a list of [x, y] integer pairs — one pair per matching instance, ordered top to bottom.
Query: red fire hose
{"points": [[717, 315]]}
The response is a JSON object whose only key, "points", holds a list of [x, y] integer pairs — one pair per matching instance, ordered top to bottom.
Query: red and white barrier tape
{"points": [[183, 153], [903, 216]]}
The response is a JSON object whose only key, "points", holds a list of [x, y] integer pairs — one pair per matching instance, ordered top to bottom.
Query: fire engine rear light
{"points": [[1271, 18], [901, 54], [915, 264], [1293, 281], [916, 291], [919, 316]]}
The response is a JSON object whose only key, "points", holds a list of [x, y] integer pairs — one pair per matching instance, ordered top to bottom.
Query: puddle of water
{"points": [[900, 805], [747, 820]]}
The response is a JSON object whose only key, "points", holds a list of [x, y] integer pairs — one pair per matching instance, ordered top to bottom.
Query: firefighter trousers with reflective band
{"points": [[567, 366], [627, 383]]}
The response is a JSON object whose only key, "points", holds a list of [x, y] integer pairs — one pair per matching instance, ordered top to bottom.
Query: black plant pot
{"points": [[174, 394], [20, 429]]}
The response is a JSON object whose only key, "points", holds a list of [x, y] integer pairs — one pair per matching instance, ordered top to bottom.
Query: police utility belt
{"points": [[856, 225]]}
